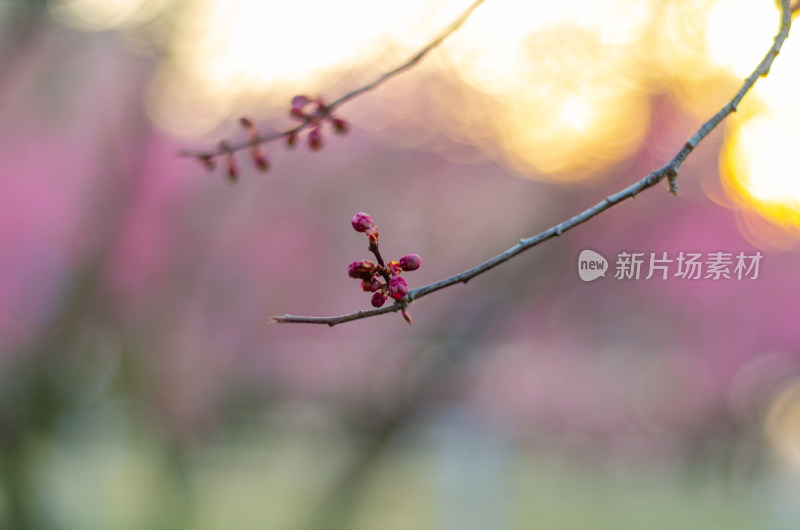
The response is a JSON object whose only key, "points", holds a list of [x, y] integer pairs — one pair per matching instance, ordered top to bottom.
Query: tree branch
{"points": [[330, 107], [668, 171]]}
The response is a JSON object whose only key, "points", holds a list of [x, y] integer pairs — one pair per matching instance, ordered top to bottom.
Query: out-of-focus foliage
{"points": [[141, 386]]}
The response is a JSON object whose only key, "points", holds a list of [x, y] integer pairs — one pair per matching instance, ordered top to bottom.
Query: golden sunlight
{"points": [[739, 32], [557, 90], [554, 91], [758, 157]]}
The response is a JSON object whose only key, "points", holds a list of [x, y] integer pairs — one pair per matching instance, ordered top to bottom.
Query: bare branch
{"points": [[457, 23], [330, 107], [668, 171], [332, 321]]}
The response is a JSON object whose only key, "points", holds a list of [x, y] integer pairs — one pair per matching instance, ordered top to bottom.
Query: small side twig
{"points": [[208, 154], [668, 171]]}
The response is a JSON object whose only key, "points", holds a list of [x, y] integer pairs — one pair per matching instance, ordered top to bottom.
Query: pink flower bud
{"points": [[298, 102], [249, 126], [340, 126], [291, 139], [315, 139], [259, 158], [208, 162], [230, 162], [232, 167], [362, 222], [410, 262], [394, 267], [361, 269], [370, 285], [398, 287], [378, 299]]}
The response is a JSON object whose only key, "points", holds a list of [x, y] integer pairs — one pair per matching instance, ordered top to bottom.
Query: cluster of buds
{"points": [[313, 114], [382, 279]]}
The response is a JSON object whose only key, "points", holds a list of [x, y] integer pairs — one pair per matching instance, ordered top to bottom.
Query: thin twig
{"points": [[330, 107], [668, 171]]}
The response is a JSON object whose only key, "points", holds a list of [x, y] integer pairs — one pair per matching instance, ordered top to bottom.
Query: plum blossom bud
{"points": [[298, 102], [248, 126], [340, 126], [291, 139], [315, 139], [259, 158], [261, 161], [208, 162], [232, 167], [362, 222], [410, 262], [394, 267], [361, 269], [370, 285], [398, 287], [378, 299]]}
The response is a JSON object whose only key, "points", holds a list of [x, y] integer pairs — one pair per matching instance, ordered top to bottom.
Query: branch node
{"points": [[672, 175]]}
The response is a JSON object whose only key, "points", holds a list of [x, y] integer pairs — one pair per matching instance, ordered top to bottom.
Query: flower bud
{"points": [[298, 102], [249, 126], [340, 126], [291, 139], [315, 139], [259, 158], [208, 162], [232, 167], [362, 222], [410, 262], [394, 267], [361, 269], [370, 285], [398, 287], [378, 299]]}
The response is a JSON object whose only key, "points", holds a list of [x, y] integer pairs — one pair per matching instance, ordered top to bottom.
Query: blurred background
{"points": [[141, 386]]}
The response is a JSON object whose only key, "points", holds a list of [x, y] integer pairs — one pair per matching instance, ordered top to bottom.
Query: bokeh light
{"points": [[557, 90], [758, 155], [782, 424]]}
